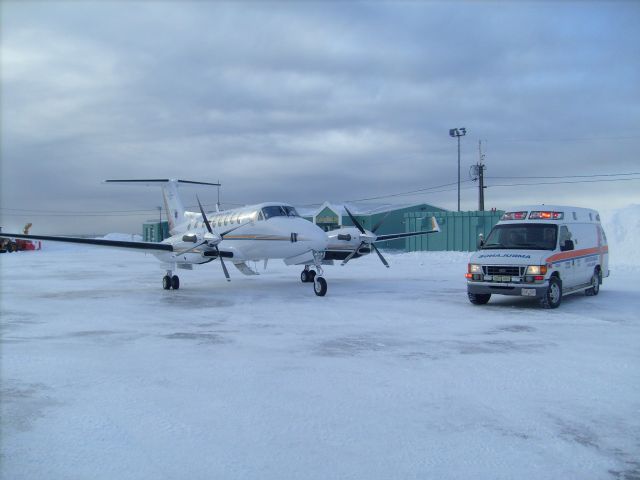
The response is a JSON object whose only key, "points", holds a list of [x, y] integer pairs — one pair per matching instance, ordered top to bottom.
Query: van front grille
{"points": [[504, 270]]}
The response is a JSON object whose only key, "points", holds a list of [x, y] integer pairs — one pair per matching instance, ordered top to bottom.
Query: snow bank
{"points": [[622, 227], [123, 237]]}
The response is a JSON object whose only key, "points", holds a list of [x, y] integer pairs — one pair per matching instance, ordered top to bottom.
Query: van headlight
{"points": [[475, 268], [536, 270]]}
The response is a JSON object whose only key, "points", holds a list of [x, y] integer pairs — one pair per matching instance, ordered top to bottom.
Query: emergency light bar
{"points": [[546, 215], [514, 216]]}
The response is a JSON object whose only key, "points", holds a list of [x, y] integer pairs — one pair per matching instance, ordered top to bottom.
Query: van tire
{"points": [[596, 280], [553, 296], [479, 298]]}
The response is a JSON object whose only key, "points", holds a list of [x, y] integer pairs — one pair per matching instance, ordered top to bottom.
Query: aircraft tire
{"points": [[312, 275], [304, 276], [166, 282], [175, 282], [320, 286]]}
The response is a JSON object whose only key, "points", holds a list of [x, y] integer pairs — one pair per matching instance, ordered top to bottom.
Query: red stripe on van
{"points": [[577, 253]]}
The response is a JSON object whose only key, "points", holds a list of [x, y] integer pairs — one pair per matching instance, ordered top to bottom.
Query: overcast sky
{"points": [[310, 101]]}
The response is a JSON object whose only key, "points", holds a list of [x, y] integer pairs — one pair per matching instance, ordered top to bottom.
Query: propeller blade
{"points": [[204, 216], [355, 222], [377, 225], [232, 229], [393, 236], [350, 256], [382, 259], [224, 269]]}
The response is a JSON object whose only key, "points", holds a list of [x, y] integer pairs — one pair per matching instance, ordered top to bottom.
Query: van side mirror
{"points": [[480, 240], [567, 245]]}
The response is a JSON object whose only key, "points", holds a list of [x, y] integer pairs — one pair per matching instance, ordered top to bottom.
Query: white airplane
{"points": [[252, 233]]}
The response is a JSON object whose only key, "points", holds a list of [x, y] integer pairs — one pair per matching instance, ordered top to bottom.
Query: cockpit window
{"points": [[279, 211], [291, 212]]}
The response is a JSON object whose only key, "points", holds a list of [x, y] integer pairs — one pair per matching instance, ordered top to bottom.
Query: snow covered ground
{"points": [[392, 375]]}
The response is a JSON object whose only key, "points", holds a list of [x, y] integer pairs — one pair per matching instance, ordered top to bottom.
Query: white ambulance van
{"points": [[540, 251]]}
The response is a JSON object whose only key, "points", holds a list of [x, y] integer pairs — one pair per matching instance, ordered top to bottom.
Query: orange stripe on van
{"points": [[577, 253]]}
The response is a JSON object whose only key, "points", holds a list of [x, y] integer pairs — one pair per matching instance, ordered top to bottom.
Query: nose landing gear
{"points": [[310, 276], [320, 286]]}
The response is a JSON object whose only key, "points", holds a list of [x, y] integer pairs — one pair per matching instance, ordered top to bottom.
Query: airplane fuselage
{"points": [[263, 231]]}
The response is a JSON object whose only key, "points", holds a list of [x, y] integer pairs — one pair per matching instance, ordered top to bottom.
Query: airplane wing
{"points": [[96, 241]]}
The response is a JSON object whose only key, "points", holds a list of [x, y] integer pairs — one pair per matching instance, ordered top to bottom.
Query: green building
{"points": [[459, 230], [154, 231]]}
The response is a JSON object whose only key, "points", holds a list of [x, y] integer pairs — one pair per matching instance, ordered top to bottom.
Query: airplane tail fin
{"points": [[172, 202]]}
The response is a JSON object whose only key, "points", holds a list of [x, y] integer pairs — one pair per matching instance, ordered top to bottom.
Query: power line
{"points": [[570, 176], [557, 183], [410, 192]]}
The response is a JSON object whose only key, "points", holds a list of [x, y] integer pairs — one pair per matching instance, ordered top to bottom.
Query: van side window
{"points": [[566, 242]]}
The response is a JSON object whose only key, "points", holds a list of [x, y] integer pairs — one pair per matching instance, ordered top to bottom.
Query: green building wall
{"points": [[155, 231], [459, 231]]}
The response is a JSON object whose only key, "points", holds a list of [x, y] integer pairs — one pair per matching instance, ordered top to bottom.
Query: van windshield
{"points": [[522, 236]]}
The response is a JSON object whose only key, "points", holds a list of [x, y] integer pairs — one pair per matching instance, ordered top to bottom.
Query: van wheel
{"points": [[596, 280], [553, 296], [479, 298]]}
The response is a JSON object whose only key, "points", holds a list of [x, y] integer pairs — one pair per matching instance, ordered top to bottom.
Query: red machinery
{"points": [[15, 245]]}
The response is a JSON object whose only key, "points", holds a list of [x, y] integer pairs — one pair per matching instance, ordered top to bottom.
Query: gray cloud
{"points": [[307, 101]]}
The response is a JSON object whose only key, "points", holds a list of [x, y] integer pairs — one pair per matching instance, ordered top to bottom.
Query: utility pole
{"points": [[458, 132], [481, 169], [218, 203]]}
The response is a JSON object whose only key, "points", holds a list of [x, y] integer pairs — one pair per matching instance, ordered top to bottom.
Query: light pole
{"points": [[458, 132]]}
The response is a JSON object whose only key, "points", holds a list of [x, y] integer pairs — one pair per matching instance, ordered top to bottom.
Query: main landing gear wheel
{"points": [[307, 276], [169, 282], [320, 286]]}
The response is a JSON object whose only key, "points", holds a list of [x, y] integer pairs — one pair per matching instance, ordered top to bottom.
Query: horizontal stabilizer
{"points": [[157, 181], [434, 225], [97, 241]]}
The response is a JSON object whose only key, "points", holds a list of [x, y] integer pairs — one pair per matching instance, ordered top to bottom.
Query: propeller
{"points": [[370, 238], [212, 239], [366, 239]]}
